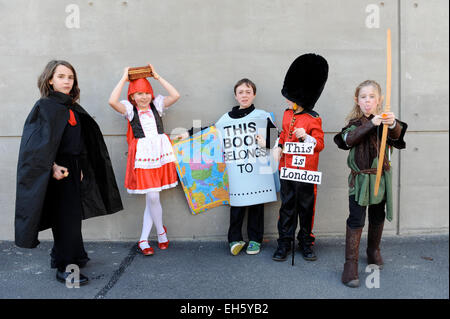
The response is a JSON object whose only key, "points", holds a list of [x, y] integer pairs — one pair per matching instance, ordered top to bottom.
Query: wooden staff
{"points": [[387, 108]]}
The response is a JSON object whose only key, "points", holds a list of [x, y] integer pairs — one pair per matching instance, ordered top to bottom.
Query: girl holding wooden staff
{"points": [[362, 137], [370, 180]]}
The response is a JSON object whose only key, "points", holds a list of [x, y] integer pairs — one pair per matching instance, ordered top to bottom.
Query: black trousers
{"points": [[298, 202], [357, 216], [66, 217], [255, 223]]}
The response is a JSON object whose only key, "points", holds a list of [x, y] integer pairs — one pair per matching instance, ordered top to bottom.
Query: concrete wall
{"points": [[203, 47]]}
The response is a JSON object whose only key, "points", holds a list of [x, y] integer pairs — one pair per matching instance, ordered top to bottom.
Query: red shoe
{"points": [[165, 244], [146, 251]]}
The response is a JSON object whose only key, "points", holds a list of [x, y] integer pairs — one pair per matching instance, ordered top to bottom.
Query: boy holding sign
{"points": [[245, 132], [299, 145], [251, 186]]}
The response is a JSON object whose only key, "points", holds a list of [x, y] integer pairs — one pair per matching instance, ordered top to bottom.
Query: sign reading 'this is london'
{"points": [[299, 175]]}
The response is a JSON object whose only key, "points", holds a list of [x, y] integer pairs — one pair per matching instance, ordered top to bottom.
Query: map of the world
{"points": [[202, 171]]}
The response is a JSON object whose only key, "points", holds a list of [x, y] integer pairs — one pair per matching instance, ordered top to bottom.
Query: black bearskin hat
{"points": [[305, 80]]}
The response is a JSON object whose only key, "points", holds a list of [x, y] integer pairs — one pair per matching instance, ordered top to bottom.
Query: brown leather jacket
{"points": [[366, 139]]}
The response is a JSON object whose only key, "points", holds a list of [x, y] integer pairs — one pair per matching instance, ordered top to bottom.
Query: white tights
{"points": [[152, 214]]}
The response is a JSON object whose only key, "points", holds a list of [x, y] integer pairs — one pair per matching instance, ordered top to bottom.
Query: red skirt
{"points": [[154, 179]]}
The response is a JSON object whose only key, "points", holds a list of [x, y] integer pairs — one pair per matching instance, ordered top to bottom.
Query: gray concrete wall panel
{"points": [[203, 48], [425, 56], [424, 183]]}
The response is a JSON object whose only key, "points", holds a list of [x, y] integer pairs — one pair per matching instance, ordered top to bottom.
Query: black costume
{"points": [[43, 202]]}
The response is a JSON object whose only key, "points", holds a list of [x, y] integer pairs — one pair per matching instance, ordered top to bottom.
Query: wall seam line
{"points": [[399, 60]]}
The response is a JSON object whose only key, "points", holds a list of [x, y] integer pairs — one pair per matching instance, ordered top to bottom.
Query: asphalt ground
{"points": [[204, 272]]}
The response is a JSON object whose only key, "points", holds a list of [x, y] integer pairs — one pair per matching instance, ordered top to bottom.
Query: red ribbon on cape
{"points": [[72, 121]]}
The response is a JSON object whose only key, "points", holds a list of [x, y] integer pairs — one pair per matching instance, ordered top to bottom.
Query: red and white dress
{"points": [[151, 160]]}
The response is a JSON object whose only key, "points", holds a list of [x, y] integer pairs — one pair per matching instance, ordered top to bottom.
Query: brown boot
{"points": [[373, 245], [350, 273]]}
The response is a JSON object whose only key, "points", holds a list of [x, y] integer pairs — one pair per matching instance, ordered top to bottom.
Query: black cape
{"points": [[41, 137]]}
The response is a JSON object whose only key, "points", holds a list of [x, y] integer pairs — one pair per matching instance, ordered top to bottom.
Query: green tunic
{"points": [[362, 184]]}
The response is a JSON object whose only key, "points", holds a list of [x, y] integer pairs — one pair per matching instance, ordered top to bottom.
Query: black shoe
{"points": [[281, 253], [308, 253], [61, 276]]}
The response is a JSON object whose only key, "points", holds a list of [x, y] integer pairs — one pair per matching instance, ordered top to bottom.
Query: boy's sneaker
{"points": [[236, 247], [253, 248]]}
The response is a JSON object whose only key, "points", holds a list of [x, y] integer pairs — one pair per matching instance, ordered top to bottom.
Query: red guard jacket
{"points": [[312, 123]]}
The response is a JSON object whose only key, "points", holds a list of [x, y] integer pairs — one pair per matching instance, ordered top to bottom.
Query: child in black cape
{"points": [[64, 172]]}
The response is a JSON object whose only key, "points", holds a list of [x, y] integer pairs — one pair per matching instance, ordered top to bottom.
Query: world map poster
{"points": [[202, 170]]}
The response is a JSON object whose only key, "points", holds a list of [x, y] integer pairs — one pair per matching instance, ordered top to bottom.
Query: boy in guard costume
{"points": [[303, 85]]}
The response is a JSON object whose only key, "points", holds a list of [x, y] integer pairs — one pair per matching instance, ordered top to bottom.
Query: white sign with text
{"points": [[298, 148], [299, 161], [300, 175]]}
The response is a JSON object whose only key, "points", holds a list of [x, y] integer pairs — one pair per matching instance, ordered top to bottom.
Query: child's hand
{"points": [[125, 74], [155, 75], [388, 118], [376, 120], [300, 133], [182, 136], [261, 141], [60, 172]]}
